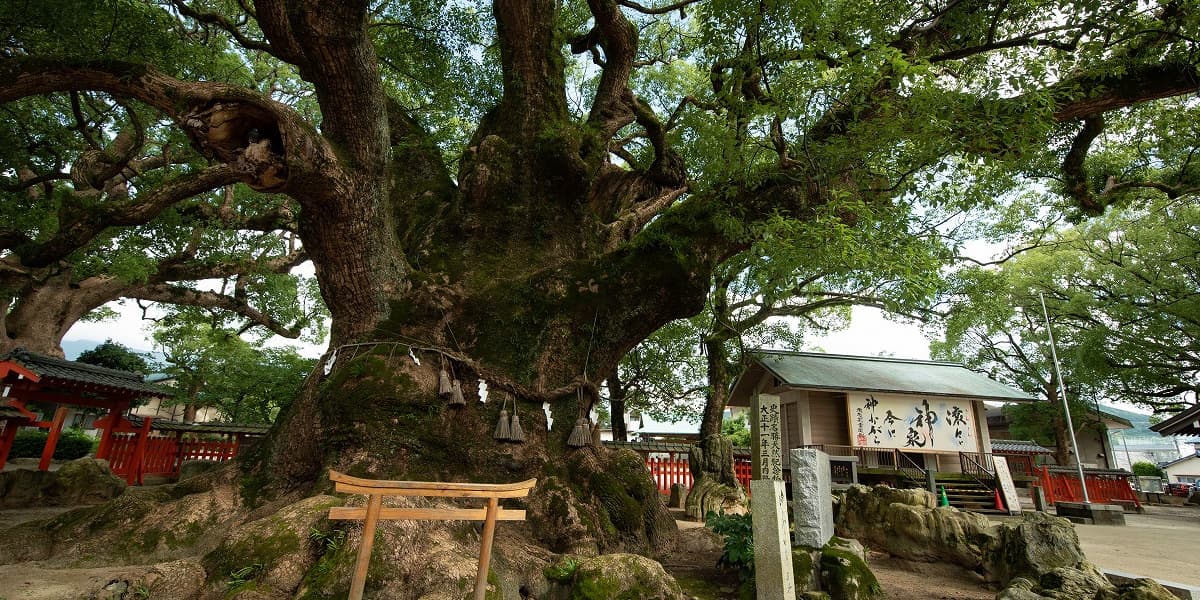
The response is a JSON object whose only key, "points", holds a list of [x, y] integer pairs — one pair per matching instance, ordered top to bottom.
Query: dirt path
{"points": [[695, 568], [907, 580], [30, 581]]}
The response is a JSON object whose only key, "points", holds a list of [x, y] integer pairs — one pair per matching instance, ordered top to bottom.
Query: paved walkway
{"points": [[1163, 543]]}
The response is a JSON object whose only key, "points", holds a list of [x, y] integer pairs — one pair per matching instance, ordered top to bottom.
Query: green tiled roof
{"points": [[819, 371], [80, 373], [229, 428], [1018, 447]]}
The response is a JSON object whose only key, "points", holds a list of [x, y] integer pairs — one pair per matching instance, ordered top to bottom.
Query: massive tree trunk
{"points": [[616, 399]]}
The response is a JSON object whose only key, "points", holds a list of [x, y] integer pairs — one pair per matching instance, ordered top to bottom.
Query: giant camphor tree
{"points": [[521, 191]]}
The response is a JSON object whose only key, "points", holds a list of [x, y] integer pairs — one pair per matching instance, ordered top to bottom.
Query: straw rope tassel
{"points": [[445, 390], [456, 395], [503, 430], [516, 433]]}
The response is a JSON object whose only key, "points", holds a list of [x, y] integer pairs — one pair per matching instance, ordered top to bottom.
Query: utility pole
{"points": [[1062, 392]]}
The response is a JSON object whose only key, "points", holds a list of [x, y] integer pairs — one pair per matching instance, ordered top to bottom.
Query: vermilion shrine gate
{"points": [[134, 446]]}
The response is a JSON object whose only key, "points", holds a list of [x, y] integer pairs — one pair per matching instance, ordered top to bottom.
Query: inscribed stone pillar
{"points": [[766, 438], [812, 497], [773, 578]]}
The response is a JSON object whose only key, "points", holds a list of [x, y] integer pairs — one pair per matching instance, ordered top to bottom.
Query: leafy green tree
{"points": [[526, 189], [102, 199], [1120, 294], [115, 356], [215, 367], [737, 431], [1143, 468]]}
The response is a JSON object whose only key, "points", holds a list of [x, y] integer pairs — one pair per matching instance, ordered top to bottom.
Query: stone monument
{"points": [[812, 497], [773, 578]]}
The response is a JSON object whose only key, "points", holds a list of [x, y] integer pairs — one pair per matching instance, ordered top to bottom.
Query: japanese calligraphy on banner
{"points": [[911, 422]]}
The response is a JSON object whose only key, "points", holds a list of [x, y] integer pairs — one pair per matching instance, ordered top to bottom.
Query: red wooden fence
{"points": [[162, 455], [669, 471], [1107, 487]]}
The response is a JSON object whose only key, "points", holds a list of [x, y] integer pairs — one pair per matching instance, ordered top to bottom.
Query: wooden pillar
{"points": [[60, 415], [113, 418], [6, 439], [138, 466], [374, 503], [485, 549]]}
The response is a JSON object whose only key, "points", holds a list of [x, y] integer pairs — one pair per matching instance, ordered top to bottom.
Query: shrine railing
{"points": [[162, 454], [889, 459], [670, 471], [1061, 484]]}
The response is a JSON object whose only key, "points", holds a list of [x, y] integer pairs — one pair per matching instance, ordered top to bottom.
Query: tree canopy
{"points": [[1121, 294], [115, 356]]}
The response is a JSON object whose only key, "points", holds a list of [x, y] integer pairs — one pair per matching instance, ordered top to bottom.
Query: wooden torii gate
{"points": [[27, 377]]}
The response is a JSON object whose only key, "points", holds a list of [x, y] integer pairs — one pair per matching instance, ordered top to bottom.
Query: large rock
{"points": [[81, 481], [906, 523], [1032, 546], [837, 571], [845, 575], [619, 577], [1081, 582], [1138, 589]]}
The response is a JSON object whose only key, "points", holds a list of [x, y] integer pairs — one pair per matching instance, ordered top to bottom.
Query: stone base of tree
{"points": [[707, 495]]}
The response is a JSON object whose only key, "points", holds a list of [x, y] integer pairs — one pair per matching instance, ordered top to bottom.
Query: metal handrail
{"points": [[973, 469], [911, 470]]}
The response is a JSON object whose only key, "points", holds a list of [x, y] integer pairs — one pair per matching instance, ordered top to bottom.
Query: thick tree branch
{"points": [[224, 24], [1088, 95], [611, 108], [218, 117], [1073, 164], [85, 223], [172, 294]]}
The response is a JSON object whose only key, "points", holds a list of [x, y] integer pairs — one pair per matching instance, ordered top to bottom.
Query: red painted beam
{"points": [[60, 415], [6, 439]]}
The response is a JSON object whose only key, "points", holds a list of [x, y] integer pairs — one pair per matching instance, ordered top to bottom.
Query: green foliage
{"points": [[1120, 294], [113, 355], [216, 367], [736, 430], [72, 444], [1144, 468], [738, 531], [327, 541], [562, 571], [243, 578]]}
